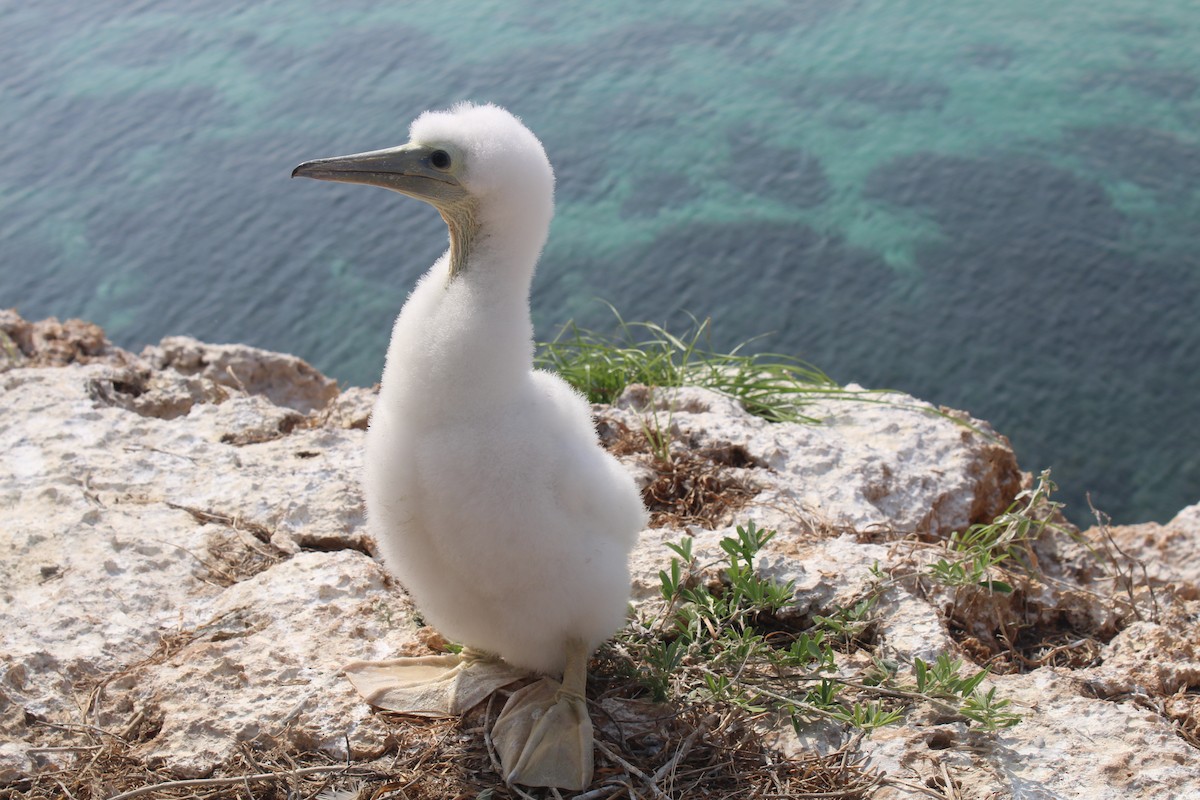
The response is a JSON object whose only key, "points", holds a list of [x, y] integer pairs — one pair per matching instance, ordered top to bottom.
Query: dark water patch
{"points": [[195, 11], [783, 16], [1144, 26], [732, 36], [735, 37], [153, 46], [625, 50], [382, 52], [988, 56], [22, 62], [355, 76], [554, 76], [550, 79], [1164, 84], [878, 92], [889, 95], [641, 110], [849, 122], [90, 139], [1152, 159], [94, 165], [589, 167], [789, 175], [584, 176], [656, 190], [999, 200], [334, 269], [33, 276], [219, 280], [812, 294], [1029, 295]]}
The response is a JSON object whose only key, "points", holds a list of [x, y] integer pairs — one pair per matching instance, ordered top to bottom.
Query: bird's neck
{"points": [[462, 220], [508, 240], [496, 248], [492, 284], [472, 310]]}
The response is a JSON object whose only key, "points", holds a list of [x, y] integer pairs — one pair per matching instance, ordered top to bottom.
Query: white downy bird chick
{"points": [[487, 490]]}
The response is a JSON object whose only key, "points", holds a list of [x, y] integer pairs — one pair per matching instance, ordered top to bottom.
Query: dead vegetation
{"points": [[691, 484], [694, 489], [241, 552], [1024, 591], [1051, 613], [1024, 643], [1183, 709], [701, 749], [643, 750], [717, 757], [105, 767]]}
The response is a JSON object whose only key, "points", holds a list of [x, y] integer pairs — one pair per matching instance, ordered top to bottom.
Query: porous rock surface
{"points": [[185, 565]]}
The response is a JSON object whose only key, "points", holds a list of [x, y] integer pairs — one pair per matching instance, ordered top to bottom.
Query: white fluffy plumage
{"points": [[487, 490]]}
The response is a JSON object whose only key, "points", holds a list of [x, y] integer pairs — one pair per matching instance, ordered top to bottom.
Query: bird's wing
{"points": [[590, 483]]}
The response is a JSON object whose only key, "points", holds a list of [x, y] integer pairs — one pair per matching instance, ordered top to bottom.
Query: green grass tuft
{"points": [[769, 385]]}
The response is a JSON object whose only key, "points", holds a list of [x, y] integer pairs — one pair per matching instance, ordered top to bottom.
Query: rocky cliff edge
{"points": [[185, 568]]}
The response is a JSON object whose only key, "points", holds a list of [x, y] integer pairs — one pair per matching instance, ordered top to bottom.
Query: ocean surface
{"points": [[993, 206]]}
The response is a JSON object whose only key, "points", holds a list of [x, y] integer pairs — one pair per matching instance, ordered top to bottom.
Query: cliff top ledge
{"points": [[186, 568]]}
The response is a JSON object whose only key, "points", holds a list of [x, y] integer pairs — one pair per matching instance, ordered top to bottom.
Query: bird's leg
{"points": [[431, 686], [544, 734]]}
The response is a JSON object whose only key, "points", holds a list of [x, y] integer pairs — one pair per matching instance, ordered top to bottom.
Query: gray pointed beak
{"points": [[408, 169]]}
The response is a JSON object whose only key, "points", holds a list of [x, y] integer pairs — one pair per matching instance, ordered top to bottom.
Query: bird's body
{"points": [[487, 490]]}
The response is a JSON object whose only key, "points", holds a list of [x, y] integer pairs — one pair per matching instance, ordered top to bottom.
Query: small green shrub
{"points": [[1003, 546], [727, 643]]}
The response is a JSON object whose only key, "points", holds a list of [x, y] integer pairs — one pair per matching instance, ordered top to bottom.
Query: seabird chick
{"points": [[487, 490]]}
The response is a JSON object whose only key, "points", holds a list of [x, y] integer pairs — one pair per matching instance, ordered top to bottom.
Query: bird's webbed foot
{"points": [[431, 686], [544, 734]]}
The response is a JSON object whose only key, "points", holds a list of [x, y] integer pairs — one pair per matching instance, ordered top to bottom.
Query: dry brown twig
{"points": [[1120, 577], [230, 781]]}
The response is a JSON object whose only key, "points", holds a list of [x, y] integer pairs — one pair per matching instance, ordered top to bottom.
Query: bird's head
{"points": [[476, 164]]}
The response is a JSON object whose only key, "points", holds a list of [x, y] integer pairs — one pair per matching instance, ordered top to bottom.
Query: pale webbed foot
{"points": [[431, 686], [544, 734]]}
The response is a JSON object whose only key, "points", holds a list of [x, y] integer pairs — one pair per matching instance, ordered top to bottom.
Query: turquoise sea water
{"points": [[994, 206]]}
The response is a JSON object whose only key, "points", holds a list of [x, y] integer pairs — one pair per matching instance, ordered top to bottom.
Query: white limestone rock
{"points": [[285, 380], [891, 463], [128, 529], [1169, 554], [186, 564], [264, 666], [1067, 747]]}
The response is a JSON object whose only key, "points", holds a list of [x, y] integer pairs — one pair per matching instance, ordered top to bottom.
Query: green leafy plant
{"points": [[658, 435], [1002, 547], [748, 591], [703, 615], [850, 622], [721, 627], [724, 641], [941, 678], [989, 711], [869, 715]]}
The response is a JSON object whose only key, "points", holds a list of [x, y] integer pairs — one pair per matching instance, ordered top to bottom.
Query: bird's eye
{"points": [[440, 159]]}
